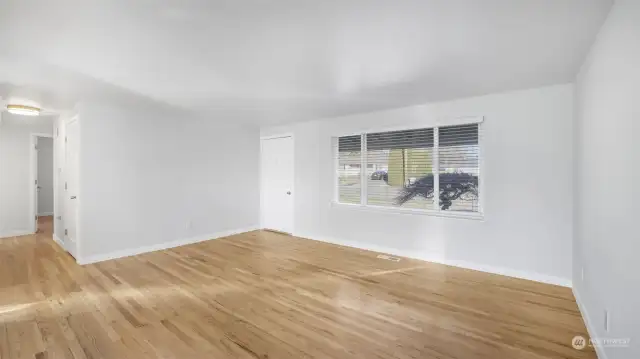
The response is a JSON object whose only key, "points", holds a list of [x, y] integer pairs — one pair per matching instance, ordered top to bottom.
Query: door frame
{"points": [[293, 182], [33, 191], [65, 197]]}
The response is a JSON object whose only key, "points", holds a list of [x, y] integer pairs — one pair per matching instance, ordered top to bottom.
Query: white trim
{"points": [[74, 117], [457, 121], [439, 122], [38, 134], [273, 137], [58, 165], [435, 169], [335, 170], [481, 171], [364, 177], [261, 184], [417, 211], [435, 211], [45, 214], [16, 233], [59, 242], [77, 243], [61, 245], [161, 246], [537, 277], [600, 352]]}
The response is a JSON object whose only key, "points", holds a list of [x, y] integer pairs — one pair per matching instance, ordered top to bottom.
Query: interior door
{"points": [[277, 184], [36, 185], [71, 185]]}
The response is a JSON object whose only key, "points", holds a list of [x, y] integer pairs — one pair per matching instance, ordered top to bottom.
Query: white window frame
{"points": [[479, 215]]}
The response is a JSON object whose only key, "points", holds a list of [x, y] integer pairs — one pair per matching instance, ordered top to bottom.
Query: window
{"points": [[400, 159], [459, 168], [349, 169], [403, 169]]}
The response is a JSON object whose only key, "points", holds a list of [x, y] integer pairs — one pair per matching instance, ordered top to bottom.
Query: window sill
{"points": [[422, 212]]}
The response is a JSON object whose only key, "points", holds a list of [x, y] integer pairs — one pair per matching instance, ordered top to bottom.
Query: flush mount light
{"points": [[23, 110]]}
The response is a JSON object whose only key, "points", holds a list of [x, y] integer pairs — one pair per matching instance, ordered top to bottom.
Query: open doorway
{"points": [[18, 171], [43, 183]]}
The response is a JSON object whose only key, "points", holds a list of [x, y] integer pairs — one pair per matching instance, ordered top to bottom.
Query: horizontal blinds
{"points": [[421, 138], [350, 143], [458, 160], [396, 161], [400, 168], [349, 169]]}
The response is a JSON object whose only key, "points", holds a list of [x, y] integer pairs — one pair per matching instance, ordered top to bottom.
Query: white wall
{"points": [[45, 176], [150, 178], [16, 190], [527, 194], [606, 243]]}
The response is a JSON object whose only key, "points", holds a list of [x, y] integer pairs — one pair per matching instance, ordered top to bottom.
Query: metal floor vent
{"points": [[389, 258]]}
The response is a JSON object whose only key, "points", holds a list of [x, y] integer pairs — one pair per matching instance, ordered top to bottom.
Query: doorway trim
{"points": [[33, 177], [293, 182]]}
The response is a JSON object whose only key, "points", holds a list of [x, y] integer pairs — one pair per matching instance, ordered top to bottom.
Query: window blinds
{"points": [[396, 160], [405, 168], [459, 168], [349, 169]]}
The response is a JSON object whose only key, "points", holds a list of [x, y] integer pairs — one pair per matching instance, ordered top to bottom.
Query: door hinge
{"points": [[65, 139], [36, 181], [65, 186], [36, 217], [59, 218], [66, 232]]}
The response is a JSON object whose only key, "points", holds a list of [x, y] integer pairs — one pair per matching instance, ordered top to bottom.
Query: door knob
{"points": [[289, 193], [73, 197]]}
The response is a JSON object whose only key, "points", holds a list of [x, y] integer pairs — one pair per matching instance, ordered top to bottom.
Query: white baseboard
{"points": [[44, 214], [18, 233], [58, 240], [161, 246], [456, 263], [534, 276], [589, 324]]}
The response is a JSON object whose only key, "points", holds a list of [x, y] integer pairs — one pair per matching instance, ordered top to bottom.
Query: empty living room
{"points": [[433, 179]]}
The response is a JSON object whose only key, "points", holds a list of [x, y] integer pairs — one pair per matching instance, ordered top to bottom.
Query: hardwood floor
{"points": [[45, 224], [267, 295]]}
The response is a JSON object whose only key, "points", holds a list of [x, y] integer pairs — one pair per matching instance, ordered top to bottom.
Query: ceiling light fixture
{"points": [[23, 110]]}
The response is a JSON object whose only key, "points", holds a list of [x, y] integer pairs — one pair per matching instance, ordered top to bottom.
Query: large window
{"points": [[404, 169]]}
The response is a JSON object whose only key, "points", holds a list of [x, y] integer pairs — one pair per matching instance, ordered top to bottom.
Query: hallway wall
{"points": [[15, 162], [605, 244]]}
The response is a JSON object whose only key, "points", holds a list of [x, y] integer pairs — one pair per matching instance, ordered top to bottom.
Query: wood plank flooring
{"points": [[267, 295]]}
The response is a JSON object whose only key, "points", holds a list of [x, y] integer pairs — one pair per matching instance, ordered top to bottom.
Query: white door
{"points": [[277, 184], [36, 185], [71, 192]]}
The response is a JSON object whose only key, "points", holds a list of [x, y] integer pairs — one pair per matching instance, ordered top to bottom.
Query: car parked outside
{"points": [[380, 175]]}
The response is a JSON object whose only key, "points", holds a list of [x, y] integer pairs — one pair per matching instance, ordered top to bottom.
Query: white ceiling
{"points": [[287, 60]]}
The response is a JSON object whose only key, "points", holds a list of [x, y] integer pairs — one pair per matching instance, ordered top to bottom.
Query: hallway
{"points": [[45, 225]]}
